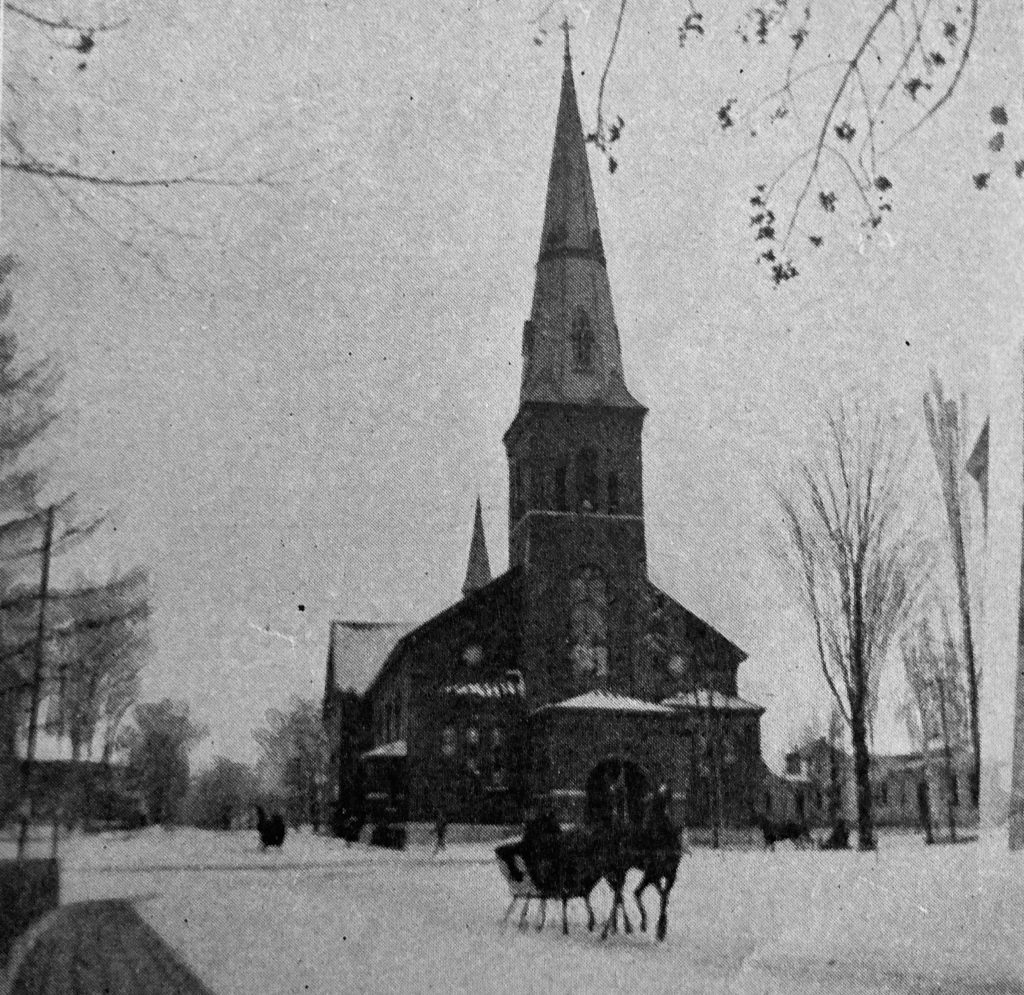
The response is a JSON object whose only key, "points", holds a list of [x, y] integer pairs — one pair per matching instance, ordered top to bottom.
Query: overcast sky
{"points": [[291, 406]]}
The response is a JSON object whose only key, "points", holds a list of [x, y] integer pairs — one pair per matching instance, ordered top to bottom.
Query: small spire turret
{"points": [[478, 570]]}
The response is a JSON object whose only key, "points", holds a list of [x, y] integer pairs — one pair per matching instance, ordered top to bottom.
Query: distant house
{"points": [[817, 773], [73, 788]]}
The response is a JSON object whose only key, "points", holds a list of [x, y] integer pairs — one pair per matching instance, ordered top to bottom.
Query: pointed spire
{"points": [[566, 27], [571, 342], [478, 571]]}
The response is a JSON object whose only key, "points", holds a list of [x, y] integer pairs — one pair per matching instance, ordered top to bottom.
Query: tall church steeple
{"points": [[571, 350], [575, 449]]}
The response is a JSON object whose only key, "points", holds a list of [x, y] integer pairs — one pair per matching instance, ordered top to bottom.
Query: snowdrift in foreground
{"points": [[337, 919]]}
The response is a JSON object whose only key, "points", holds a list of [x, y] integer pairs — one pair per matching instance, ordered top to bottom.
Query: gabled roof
{"points": [[469, 603], [706, 629], [357, 650], [703, 700], [607, 701]]}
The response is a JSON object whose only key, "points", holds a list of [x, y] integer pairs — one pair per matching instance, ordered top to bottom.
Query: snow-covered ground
{"points": [[323, 917]]}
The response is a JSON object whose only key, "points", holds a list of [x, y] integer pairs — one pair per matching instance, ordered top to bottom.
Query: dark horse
{"points": [[271, 830], [778, 832], [654, 847]]}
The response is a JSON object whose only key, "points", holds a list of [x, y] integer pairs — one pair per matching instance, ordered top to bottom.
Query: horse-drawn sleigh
{"points": [[551, 863]]}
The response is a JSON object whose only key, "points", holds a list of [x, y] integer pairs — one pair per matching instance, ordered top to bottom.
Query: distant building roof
{"points": [[357, 650], [704, 700], [606, 701], [389, 751]]}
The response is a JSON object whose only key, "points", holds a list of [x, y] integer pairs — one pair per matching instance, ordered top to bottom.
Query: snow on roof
{"points": [[358, 650], [484, 689], [702, 699], [606, 701], [396, 750]]}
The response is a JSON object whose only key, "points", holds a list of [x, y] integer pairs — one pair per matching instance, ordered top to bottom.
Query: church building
{"points": [[571, 670]]}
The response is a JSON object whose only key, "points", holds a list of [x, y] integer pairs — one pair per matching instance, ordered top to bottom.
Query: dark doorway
{"points": [[616, 787]]}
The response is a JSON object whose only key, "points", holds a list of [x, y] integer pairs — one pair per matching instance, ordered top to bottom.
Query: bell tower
{"points": [[576, 514]]}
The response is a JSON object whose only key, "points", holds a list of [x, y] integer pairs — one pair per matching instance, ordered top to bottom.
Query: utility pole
{"points": [[37, 684]]}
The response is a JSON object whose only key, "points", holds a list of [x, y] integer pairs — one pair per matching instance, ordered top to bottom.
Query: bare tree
{"points": [[853, 84], [76, 178], [947, 432], [855, 566], [98, 662], [935, 671], [159, 744], [294, 757], [221, 795]]}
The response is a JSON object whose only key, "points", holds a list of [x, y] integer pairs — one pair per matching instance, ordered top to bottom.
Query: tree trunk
{"points": [[947, 761], [862, 776], [78, 786]]}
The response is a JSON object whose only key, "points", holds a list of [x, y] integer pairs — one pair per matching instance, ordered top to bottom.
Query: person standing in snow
{"points": [[924, 810], [440, 828]]}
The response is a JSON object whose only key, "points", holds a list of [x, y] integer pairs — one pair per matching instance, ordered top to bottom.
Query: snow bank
{"points": [[326, 918]]}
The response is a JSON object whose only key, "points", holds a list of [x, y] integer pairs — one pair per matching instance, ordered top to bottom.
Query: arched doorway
{"points": [[616, 786]]}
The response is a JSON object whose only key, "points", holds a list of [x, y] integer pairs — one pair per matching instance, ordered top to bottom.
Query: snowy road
{"points": [[321, 917]]}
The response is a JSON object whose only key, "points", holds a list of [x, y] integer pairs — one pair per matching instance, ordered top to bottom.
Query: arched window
{"points": [[582, 339], [586, 480], [536, 486], [613, 493], [561, 496], [588, 617], [473, 655], [448, 741], [472, 750], [497, 757]]}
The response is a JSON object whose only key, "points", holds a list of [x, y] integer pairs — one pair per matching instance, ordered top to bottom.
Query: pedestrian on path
{"points": [[924, 810], [440, 828]]}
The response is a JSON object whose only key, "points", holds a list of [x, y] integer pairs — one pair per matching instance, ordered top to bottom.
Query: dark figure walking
{"points": [[924, 810], [440, 828]]}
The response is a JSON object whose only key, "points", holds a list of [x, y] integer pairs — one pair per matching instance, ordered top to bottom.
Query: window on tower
{"points": [[582, 339], [586, 480], [536, 486], [613, 493], [561, 495], [588, 616]]}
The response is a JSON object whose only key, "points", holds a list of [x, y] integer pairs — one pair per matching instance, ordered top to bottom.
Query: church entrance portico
{"points": [[601, 754]]}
